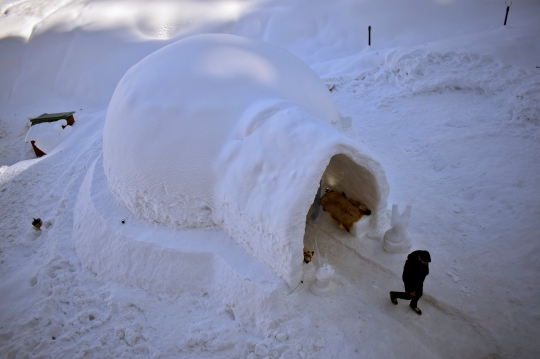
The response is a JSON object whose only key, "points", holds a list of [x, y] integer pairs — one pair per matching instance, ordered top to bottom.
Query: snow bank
{"points": [[221, 131], [48, 135], [153, 258]]}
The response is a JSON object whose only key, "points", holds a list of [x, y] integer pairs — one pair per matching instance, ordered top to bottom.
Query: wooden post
{"points": [[507, 11], [369, 34]]}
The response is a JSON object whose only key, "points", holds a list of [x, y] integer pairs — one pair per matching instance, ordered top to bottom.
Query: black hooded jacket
{"points": [[414, 273]]}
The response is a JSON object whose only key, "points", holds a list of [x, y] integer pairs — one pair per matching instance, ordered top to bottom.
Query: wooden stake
{"points": [[507, 11]]}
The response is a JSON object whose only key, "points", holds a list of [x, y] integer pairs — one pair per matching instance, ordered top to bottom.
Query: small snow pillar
{"points": [[397, 239], [323, 285]]}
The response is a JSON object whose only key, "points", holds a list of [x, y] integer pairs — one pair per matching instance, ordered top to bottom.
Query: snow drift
{"points": [[219, 131], [48, 135]]}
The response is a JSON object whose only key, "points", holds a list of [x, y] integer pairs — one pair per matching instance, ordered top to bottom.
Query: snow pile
{"points": [[419, 72], [222, 130], [48, 135], [164, 260]]}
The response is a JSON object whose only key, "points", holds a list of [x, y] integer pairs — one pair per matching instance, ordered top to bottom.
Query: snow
{"points": [[446, 100], [173, 113], [232, 133], [48, 135], [398, 239], [161, 259]]}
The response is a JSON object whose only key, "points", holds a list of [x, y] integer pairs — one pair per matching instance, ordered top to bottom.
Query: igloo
{"points": [[222, 132]]}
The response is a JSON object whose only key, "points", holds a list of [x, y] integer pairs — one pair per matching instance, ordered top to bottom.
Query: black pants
{"points": [[407, 296]]}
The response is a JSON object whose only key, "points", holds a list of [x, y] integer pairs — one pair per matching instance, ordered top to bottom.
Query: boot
{"points": [[394, 300], [417, 310]]}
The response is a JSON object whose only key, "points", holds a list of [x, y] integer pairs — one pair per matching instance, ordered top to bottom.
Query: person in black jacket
{"points": [[415, 271]]}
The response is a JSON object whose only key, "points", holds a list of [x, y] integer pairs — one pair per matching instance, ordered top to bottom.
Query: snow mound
{"points": [[172, 113], [218, 131], [48, 135], [163, 260]]}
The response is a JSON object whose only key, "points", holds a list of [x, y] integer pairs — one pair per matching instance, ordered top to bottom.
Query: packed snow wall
{"points": [[223, 131]]}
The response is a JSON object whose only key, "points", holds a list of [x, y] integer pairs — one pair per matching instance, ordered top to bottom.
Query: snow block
{"points": [[222, 132]]}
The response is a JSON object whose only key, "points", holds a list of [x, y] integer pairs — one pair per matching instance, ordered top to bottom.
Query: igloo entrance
{"points": [[345, 176], [357, 209]]}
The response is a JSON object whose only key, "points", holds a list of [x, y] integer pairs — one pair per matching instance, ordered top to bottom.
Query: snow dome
{"points": [[219, 131]]}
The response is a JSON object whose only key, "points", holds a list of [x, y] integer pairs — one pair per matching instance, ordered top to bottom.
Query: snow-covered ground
{"points": [[447, 99]]}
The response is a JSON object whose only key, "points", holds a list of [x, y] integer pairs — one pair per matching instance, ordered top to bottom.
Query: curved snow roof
{"points": [[219, 130]]}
